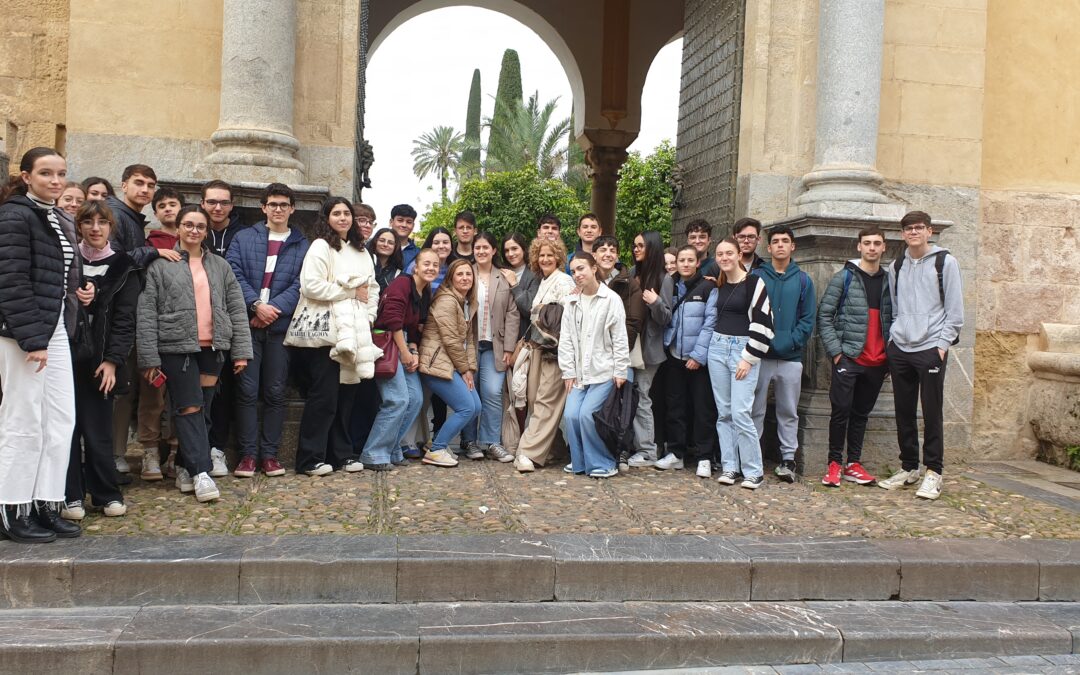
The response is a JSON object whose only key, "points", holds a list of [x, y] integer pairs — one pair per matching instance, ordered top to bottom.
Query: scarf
{"points": [[91, 254]]}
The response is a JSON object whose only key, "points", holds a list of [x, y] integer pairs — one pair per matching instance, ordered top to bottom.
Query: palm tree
{"points": [[530, 138], [437, 151]]}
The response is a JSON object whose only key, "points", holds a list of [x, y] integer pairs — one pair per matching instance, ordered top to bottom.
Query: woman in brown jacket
{"points": [[448, 359]]}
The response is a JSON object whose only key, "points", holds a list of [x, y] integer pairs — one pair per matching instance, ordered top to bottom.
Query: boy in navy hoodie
{"points": [[791, 294]]}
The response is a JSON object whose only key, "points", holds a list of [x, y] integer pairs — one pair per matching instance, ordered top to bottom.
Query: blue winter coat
{"points": [[247, 257], [794, 308], [686, 336]]}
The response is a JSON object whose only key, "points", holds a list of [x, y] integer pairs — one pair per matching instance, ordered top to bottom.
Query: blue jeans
{"points": [[401, 396], [465, 403], [487, 429], [740, 450], [588, 452]]}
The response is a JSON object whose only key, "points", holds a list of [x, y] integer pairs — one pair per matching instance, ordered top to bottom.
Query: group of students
{"points": [[512, 346]]}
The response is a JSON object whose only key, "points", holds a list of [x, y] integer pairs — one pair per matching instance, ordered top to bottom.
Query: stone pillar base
{"points": [[253, 156]]}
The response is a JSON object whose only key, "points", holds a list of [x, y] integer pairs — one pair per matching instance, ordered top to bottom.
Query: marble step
{"points": [[254, 570], [521, 637]]}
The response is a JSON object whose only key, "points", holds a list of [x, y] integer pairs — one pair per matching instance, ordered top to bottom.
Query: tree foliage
{"points": [[508, 95], [529, 139], [437, 152], [470, 154], [643, 196], [510, 201]]}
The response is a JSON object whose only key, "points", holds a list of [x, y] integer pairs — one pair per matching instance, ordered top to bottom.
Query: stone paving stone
{"points": [[432, 500], [549, 501], [338, 503], [627, 567], [1059, 567], [437, 568], [789, 568], [324, 569], [961, 569], [158, 571], [32, 575], [1064, 614], [881, 631], [601, 636], [61, 640], [270, 640], [1063, 659], [1023, 660], [891, 667], [799, 669]]}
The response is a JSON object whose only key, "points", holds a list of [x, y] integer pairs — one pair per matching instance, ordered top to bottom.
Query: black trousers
{"points": [[919, 377], [185, 391], [853, 393], [658, 394], [224, 407], [365, 407], [691, 413], [324, 424], [93, 438]]}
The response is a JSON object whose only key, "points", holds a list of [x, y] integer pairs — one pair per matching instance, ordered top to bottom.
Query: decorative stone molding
{"points": [[1053, 406]]}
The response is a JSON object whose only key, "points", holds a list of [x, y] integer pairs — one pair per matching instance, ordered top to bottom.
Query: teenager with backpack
{"points": [[928, 313], [853, 321]]}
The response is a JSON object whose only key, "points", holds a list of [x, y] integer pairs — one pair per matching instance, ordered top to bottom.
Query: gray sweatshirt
{"points": [[920, 320]]}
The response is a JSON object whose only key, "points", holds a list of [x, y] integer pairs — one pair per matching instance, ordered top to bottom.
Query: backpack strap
{"points": [[939, 264], [804, 283], [843, 293]]}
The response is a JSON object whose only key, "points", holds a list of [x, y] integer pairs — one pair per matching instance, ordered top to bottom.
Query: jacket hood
{"points": [[116, 203], [934, 248], [853, 265], [767, 268]]}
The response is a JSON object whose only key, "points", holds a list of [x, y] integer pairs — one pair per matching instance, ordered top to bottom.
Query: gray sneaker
{"points": [[474, 451], [499, 453], [641, 459], [785, 471], [899, 479], [183, 480], [205, 489]]}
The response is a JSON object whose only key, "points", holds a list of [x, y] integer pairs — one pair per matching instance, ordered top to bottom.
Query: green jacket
{"points": [[166, 319], [845, 331]]}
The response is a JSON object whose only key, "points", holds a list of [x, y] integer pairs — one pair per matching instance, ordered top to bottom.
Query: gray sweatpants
{"points": [[786, 378]]}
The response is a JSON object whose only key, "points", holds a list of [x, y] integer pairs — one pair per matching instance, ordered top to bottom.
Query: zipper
{"points": [[434, 356]]}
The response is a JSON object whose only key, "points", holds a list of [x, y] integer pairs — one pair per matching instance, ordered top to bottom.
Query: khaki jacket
{"points": [[504, 316], [449, 341]]}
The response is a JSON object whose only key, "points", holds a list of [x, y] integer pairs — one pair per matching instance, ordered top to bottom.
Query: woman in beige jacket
{"points": [[448, 359]]}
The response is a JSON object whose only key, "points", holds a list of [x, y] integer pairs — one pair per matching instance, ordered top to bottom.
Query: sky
{"points": [[436, 91]]}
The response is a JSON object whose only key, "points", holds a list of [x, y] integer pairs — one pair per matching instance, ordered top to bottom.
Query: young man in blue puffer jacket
{"points": [[266, 259], [791, 295], [691, 410]]}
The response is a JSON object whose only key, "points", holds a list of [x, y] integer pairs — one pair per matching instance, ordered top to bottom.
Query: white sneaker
{"points": [[442, 457], [641, 459], [669, 461], [523, 464], [122, 465], [151, 465], [353, 466], [218, 467], [704, 469], [604, 473], [899, 479], [183, 480], [931, 486], [205, 488], [114, 509], [73, 511]]}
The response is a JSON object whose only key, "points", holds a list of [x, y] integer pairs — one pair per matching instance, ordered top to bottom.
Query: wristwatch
{"points": [[253, 306]]}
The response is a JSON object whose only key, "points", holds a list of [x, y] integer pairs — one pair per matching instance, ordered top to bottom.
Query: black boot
{"points": [[50, 519], [23, 528]]}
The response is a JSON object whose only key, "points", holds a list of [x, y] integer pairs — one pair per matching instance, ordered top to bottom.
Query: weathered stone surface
{"points": [[475, 568], [677, 568], [790, 568], [1059, 568], [296, 569], [956, 569], [170, 570], [36, 576], [1064, 614], [875, 631], [570, 637], [285, 639], [60, 640]]}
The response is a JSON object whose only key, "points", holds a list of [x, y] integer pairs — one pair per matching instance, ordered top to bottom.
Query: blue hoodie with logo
{"points": [[794, 309]]}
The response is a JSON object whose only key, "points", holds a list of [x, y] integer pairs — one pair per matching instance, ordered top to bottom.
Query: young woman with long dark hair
{"points": [[387, 257]]}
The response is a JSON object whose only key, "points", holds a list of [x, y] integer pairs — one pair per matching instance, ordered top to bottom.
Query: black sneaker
{"points": [[785, 471], [728, 478], [752, 483]]}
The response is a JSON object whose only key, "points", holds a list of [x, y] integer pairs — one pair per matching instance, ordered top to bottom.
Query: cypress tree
{"points": [[508, 96], [470, 156]]}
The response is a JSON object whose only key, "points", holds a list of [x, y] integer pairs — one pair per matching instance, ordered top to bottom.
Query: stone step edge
{"points": [[284, 570], [540, 637]]}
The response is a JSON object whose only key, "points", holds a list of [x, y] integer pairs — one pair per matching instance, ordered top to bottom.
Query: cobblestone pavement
{"points": [[487, 497], [1067, 664]]}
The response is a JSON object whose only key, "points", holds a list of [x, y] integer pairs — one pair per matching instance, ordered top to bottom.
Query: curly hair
{"points": [[555, 245]]}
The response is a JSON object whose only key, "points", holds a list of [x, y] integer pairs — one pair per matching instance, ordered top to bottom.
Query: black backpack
{"points": [[939, 265], [615, 419]]}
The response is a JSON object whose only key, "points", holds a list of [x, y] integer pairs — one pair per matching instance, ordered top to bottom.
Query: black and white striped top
{"points": [[54, 220], [743, 309]]}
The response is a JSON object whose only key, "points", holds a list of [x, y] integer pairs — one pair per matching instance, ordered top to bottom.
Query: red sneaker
{"points": [[272, 467], [246, 468], [855, 473], [832, 476]]}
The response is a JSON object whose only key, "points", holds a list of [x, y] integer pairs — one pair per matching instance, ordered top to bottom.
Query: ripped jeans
{"points": [[185, 391]]}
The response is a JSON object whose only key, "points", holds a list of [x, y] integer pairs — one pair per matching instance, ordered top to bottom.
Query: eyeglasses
{"points": [[214, 203], [277, 206], [361, 220], [192, 227], [914, 228], [746, 237]]}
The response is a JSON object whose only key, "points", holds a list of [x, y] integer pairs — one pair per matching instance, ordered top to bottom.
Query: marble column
{"points": [[254, 141], [606, 153], [844, 178]]}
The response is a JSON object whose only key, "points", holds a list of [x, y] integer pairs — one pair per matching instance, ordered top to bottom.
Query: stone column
{"points": [[850, 38], [254, 141], [606, 153]]}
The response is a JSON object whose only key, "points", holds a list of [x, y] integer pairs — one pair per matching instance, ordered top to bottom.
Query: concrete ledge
{"points": [[1059, 567], [475, 568], [676, 568], [964, 569], [36, 576], [1064, 614], [61, 640]]}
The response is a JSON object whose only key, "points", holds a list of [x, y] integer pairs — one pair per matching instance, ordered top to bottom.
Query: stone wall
{"points": [[33, 74]]}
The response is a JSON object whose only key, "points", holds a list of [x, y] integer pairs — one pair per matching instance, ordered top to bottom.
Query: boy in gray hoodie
{"points": [[928, 313]]}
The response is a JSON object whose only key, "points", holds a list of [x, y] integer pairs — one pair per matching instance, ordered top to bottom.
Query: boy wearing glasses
{"points": [[217, 199], [464, 233], [748, 235], [266, 259], [928, 313]]}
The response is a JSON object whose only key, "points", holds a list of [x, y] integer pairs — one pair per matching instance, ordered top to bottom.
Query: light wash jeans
{"points": [[786, 378], [401, 397], [463, 401], [644, 424], [487, 429], [587, 450], [740, 450]]}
